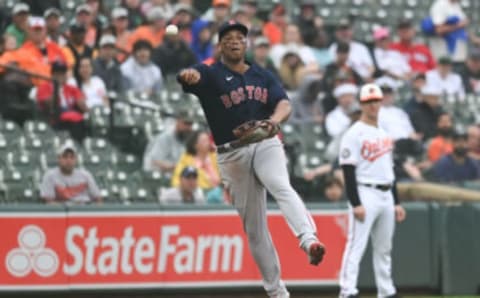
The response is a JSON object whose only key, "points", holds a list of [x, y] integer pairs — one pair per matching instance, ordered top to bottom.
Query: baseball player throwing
{"points": [[244, 105], [366, 160]]}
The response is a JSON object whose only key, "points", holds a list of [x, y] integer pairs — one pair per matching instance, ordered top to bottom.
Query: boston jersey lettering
{"points": [[237, 96], [230, 98]]}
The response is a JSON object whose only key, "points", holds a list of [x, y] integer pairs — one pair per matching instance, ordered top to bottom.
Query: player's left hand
{"points": [[256, 130], [400, 213]]}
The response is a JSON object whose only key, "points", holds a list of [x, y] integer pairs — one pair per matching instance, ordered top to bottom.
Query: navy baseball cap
{"points": [[231, 25], [59, 67], [189, 172]]}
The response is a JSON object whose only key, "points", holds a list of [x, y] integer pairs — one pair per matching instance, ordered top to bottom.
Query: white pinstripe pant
{"points": [[379, 224]]}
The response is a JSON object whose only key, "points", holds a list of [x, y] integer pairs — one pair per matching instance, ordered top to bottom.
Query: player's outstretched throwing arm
{"points": [[189, 76]]}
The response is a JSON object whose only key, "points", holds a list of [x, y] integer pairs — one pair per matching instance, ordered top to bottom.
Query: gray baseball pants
{"points": [[248, 172]]}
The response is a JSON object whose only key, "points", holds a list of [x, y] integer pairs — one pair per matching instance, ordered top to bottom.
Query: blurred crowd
{"points": [[127, 48]]}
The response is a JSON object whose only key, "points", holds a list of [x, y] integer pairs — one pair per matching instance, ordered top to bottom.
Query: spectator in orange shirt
{"points": [[84, 16], [98, 20], [273, 29], [120, 30], [153, 32], [76, 47], [37, 53], [441, 144]]}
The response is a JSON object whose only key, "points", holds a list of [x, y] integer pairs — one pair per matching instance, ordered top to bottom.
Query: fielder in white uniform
{"points": [[367, 164]]}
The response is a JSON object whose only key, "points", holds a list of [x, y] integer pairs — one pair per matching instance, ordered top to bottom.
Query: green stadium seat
{"points": [[327, 2], [358, 2], [386, 3], [412, 3], [326, 13], [99, 119], [153, 128], [39, 129], [10, 130], [312, 130], [291, 134], [313, 137], [53, 143], [32, 144], [97, 145], [5, 147], [316, 147], [48, 160], [314, 160], [23, 161], [126, 162], [95, 163], [300, 165], [120, 177], [154, 180], [110, 183], [18, 185], [119, 193], [140, 193], [3, 194], [22, 194]]}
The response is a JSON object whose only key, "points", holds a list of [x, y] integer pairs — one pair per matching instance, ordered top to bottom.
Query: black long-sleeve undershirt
{"points": [[351, 185], [352, 190], [395, 193]]}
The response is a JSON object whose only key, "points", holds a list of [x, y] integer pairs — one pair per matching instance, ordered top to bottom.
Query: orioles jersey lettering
{"points": [[371, 150]]}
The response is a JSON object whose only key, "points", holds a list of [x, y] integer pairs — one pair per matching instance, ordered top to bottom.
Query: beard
{"points": [[232, 59], [445, 132], [182, 136], [460, 152]]}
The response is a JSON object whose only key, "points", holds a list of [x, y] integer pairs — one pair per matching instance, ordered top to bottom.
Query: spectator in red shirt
{"points": [[418, 55], [71, 103]]}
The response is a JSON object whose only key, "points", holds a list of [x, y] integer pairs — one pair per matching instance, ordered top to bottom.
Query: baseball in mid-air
{"points": [[171, 29]]}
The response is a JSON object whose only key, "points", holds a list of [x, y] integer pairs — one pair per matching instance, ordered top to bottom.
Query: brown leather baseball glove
{"points": [[254, 131]]}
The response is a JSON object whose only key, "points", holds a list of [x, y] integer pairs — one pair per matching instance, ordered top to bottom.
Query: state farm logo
{"points": [[91, 251], [99, 251], [31, 254]]}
